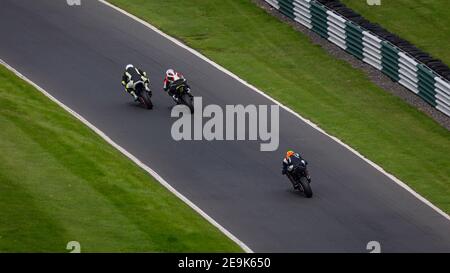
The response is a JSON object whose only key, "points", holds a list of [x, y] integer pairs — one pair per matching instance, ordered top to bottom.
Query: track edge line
{"points": [[146, 168]]}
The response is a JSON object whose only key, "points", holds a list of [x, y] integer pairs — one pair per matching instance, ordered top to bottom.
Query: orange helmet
{"points": [[289, 153]]}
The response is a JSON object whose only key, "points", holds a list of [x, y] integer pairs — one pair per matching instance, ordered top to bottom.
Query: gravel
{"points": [[374, 74]]}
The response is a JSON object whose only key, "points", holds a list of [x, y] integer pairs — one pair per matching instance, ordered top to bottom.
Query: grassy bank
{"points": [[425, 23], [285, 64], [60, 182]]}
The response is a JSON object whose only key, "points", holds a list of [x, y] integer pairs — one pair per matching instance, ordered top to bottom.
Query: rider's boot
{"points": [[147, 87], [189, 93], [136, 98], [175, 98]]}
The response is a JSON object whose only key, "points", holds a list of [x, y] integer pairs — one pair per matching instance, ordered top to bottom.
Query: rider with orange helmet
{"points": [[287, 162]]}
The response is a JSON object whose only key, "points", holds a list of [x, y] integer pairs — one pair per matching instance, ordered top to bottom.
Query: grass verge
{"points": [[425, 23], [286, 65], [59, 182]]}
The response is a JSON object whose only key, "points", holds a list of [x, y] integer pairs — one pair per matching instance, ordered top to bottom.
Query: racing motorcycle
{"points": [[183, 93], [144, 94], [297, 175]]}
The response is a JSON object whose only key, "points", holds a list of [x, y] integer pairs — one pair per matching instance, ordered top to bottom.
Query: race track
{"points": [[78, 55]]}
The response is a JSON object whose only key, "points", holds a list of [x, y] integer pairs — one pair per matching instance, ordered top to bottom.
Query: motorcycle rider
{"points": [[131, 75], [172, 76], [287, 161]]}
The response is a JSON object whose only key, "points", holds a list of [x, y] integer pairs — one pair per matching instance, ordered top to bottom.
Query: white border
{"points": [[315, 126], [133, 158]]}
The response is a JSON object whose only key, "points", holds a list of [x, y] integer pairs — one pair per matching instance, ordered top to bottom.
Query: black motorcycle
{"points": [[183, 93], [143, 94], [297, 175]]}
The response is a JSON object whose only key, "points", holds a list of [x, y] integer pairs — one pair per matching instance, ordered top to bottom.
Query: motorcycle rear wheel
{"points": [[188, 102], [306, 187]]}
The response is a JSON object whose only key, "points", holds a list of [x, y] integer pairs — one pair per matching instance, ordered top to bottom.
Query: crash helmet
{"points": [[170, 75], [289, 153]]}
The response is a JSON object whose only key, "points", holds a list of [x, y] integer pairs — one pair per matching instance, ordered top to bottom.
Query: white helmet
{"points": [[129, 66], [170, 74]]}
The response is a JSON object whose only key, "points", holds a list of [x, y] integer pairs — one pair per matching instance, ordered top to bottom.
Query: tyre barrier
{"points": [[425, 76]]}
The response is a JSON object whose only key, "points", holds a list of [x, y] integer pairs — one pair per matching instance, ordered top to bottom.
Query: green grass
{"points": [[425, 23], [285, 64], [60, 182]]}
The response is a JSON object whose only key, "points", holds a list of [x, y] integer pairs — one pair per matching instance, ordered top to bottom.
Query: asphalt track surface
{"points": [[78, 55]]}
